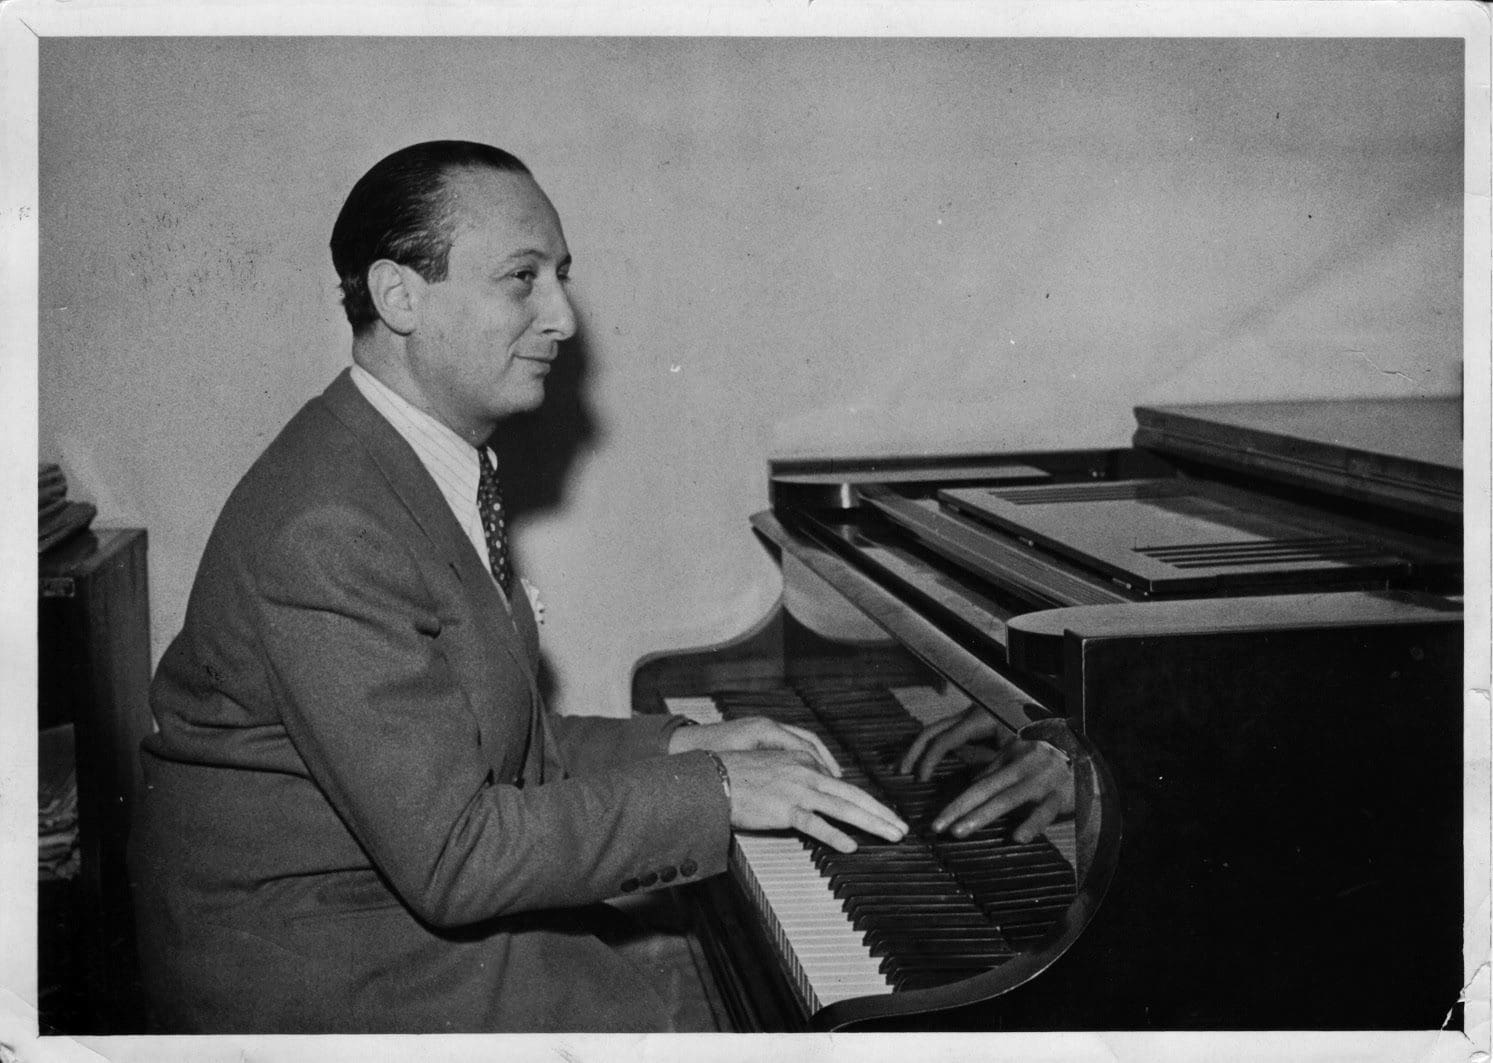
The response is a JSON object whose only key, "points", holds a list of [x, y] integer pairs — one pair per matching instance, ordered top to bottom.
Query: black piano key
{"points": [[900, 786], [985, 838], [907, 849], [892, 853], [901, 855], [1012, 856], [870, 858], [993, 864], [892, 876], [1022, 879], [1033, 881], [889, 882], [922, 888], [1015, 900], [1000, 908], [1023, 909], [864, 912], [874, 912], [891, 916], [912, 923], [916, 938], [934, 942], [973, 956], [969, 962], [966, 964]]}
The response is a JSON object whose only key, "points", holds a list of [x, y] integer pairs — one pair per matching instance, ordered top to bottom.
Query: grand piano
{"points": [[1244, 631]]}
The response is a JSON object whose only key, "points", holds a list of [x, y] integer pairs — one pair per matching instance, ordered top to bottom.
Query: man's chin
{"points": [[526, 401]]}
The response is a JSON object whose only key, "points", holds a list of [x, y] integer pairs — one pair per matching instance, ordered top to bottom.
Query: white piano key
{"points": [[701, 710], [825, 947]]}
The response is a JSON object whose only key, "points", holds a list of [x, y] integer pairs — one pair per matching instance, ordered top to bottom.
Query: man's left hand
{"points": [[754, 732]]}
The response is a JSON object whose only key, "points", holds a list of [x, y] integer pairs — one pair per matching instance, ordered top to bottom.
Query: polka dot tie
{"points": [[494, 520]]}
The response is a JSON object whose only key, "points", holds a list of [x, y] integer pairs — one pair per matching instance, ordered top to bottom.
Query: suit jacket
{"points": [[358, 814]]}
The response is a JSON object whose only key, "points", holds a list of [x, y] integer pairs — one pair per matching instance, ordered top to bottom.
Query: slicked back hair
{"points": [[404, 210]]}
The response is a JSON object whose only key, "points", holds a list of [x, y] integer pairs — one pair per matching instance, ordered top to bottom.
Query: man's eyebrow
{"points": [[533, 252]]}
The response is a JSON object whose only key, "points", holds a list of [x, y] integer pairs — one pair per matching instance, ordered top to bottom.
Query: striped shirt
{"points": [[450, 460]]}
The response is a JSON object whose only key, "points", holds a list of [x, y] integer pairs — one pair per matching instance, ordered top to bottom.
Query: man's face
{"points": [[486, 336]]}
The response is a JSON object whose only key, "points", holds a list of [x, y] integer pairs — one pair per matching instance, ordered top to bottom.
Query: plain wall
{"points": [[801, 246]]}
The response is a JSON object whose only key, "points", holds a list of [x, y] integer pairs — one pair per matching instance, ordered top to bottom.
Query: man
{"points": [[358, 814]]}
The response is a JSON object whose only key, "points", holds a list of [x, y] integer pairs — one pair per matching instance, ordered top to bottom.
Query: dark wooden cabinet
{"points": [[93, 643]]}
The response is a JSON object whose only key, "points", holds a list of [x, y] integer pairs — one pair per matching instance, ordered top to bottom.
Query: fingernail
{"points": [[940, 825]]}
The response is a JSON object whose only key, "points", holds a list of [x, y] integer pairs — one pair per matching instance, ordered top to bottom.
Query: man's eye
{"points": [[525, 275]]}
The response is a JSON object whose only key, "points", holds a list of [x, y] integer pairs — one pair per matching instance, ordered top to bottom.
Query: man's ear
{"points": [[396, 291]]}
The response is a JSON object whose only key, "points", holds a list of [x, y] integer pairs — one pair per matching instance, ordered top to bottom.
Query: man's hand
{"points": [[754, 732], [942, 737], [1023, 772], [773, 789]]}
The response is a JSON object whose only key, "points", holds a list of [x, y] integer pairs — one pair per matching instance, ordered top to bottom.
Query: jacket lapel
{"points": [[420, 496]]}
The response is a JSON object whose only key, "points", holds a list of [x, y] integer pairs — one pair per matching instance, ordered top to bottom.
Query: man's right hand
{"points": [[773, 789]]}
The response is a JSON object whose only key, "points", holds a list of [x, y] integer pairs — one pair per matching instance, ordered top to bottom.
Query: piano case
{"points": [[1245, 631]]}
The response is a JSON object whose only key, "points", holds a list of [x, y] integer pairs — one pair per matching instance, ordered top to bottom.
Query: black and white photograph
{"points": [[948, 529]]}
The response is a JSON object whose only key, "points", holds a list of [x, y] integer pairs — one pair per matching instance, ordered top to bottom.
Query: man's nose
{"points": [[558, 319]]}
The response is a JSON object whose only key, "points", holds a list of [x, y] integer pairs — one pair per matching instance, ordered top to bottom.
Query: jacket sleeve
{"points": [[352, 648], [591, 744]]}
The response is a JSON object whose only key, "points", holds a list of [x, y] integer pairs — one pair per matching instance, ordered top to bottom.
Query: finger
{"points": [[762, 733], [956, 736], [818, 748], [914, 751], [804, 758], [994, 791], [1025, 792], [860, 798], [850, 805], [1040, 819], [805, 822]]}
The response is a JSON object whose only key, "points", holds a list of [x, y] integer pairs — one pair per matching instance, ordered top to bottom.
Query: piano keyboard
{"points": [[888, 918]]}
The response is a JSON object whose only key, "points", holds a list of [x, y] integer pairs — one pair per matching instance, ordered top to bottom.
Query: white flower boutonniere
{"points": [[536, 603]]}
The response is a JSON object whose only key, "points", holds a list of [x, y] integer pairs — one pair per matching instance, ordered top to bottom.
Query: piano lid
{"points": [[1402, 453]]}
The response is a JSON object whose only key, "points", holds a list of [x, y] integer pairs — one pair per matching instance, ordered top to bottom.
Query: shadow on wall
{"points": [[537, 450]]}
